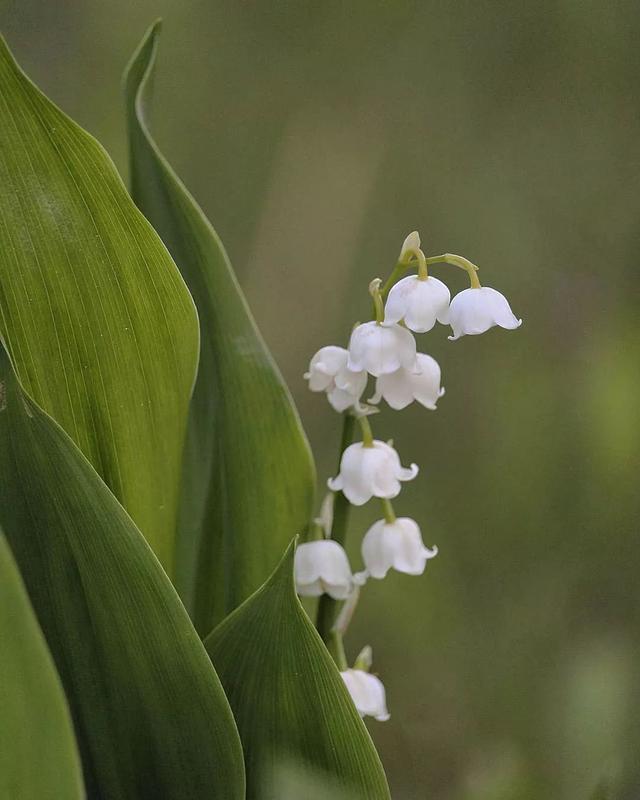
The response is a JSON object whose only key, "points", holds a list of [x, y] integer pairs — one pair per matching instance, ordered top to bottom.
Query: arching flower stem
{"points": [[458, 261], [398, 271]]}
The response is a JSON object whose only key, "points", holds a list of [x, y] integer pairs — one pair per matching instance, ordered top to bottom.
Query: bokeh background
{"points": [[316, 135]]}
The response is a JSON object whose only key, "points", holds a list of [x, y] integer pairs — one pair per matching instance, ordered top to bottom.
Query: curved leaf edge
{"points": [[137, 82], [33, 408], [282, 581]]}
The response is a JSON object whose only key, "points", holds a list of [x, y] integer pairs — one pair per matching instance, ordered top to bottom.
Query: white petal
{"points": [[398, 300], [419, 302], [429, 302], [501, 310], [474, 311], [380, 350], [324, 366], [319, 381], [352, 382], [426, 385], [396, 388], [341, 400], [367, 472], [407, 473], [353, 478], [396, 544], [377, 550], [410, 554], [324, 561], [313, 589], [339, 591], [367, 693]]}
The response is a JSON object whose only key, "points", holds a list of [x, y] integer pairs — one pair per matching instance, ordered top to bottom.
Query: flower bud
{"points": [[410, 246]]}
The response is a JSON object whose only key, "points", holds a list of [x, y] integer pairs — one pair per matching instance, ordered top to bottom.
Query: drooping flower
{"points": [[419, 301], [477, 309], [381, 349], [328, 372], [402, 387], [370, 471], [396, 545], [322, 567], [367, 693]]}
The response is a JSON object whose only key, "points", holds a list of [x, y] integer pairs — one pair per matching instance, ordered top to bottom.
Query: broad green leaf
{"points": [[96, 317], [248, 476], [287, 696], [150, 716], [38, 756], [293, 781]]}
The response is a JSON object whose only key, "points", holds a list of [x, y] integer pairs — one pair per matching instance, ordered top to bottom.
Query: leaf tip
{"points": [[284, 569]]}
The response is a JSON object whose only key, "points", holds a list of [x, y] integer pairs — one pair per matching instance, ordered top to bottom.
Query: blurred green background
{"points": [[316, 135]]}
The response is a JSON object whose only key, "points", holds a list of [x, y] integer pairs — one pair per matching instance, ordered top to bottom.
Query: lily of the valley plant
{"points": [[384, 349], [155, 477]]}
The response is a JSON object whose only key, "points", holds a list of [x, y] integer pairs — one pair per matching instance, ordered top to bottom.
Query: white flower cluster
{"points": [[385, 349]]}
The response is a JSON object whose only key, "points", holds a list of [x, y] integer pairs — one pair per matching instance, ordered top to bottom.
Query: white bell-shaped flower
{"points": [[419, 301], [475, 310], [381, 349], [328, 372], [402, 387], [370, 471], [395, 544], [322, 567], [367, 693]]}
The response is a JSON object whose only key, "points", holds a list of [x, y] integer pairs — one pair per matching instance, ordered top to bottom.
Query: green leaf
{"points": [[96, 317], [248, 478], [287, 696], [150, 716], [38, 756]]}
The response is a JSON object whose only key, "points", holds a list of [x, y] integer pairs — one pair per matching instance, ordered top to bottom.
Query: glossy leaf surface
{"points": [[98, 322], [248, 479], [287, 696], [150, 716], [38, 755]]}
